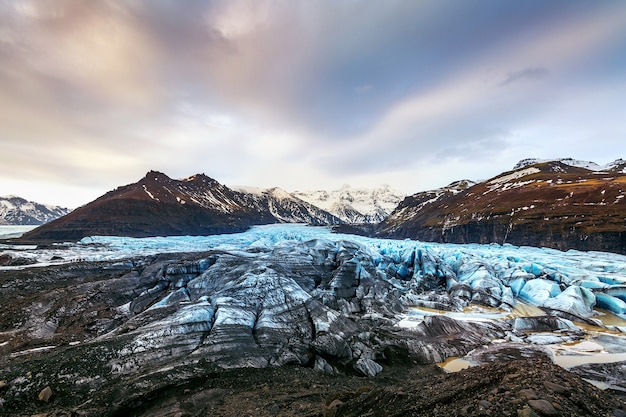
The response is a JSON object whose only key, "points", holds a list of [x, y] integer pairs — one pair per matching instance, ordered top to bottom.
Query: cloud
{"points": [[530, 73], [300, 92]]}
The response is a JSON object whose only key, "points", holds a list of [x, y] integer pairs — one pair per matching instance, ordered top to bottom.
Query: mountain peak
{"points": [[577, 163], [155, 174], [200, 178], [355, 205], [15, 210]]}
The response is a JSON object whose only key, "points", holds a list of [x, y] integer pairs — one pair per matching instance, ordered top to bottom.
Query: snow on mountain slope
{"points": [[590, 165], [564, 204], [157, 205], [355, 205], [411, 205], [287, 208], [19, 211]]}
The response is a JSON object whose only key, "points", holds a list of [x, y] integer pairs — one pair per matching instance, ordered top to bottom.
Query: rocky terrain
{"points": [[563, 204], [160, 206], [18, 211], [297, 321]]}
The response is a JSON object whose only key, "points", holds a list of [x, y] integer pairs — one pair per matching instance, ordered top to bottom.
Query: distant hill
{"points": [[563, 204], [158, 205], [19, 211]]}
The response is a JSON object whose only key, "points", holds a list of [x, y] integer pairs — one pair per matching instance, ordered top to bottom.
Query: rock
{"points": [[8, 260], [542, 323], [322, 365], [368, 367], [3, 384], [559, 389], [45, 394], [528, 394], [484, 405], [544, 407], [330, 410], [526, 412]]}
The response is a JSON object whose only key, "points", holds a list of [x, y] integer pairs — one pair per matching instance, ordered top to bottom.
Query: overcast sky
{"points": [[303, 94]]}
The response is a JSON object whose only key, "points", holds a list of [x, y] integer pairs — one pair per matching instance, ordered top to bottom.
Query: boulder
{"points": [[368, 367]]}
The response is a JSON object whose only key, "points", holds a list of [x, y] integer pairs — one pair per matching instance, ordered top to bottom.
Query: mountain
{"points": [[619, 165], [562, 204], [158, 205], [355, 205], [286, 208], [18, 211]]}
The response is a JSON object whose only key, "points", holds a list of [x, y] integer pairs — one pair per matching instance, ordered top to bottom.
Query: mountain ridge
{"points": [[562, 204], [159, 205], [355, 205], [15, 210]]}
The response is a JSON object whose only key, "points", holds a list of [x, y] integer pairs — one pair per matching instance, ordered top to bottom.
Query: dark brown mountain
{"points": [[558, 204], [160, 206]]}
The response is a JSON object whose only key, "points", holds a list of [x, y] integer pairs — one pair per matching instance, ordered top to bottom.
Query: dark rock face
{"points": [[549, 204], [160, 206]]}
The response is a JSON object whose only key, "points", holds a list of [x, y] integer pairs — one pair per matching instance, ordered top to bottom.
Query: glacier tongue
{"points": [[427, 274], [295, 294]]}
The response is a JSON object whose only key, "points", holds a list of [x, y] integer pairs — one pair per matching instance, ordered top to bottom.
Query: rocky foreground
{"points": [[296, 327]]}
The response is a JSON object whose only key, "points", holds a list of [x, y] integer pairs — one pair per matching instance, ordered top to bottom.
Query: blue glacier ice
{"points": [[572, 282], [608, 302]]}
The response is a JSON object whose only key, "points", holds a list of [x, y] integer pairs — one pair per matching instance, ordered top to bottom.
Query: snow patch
{"points": [[514, 175], [149, 193]]}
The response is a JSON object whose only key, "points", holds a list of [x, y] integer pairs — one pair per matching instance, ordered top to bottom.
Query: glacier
{"points": [[572, 282], [275, 295]]}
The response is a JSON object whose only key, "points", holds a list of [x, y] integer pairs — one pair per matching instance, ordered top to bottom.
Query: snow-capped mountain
{"points": [[590, 165], [563, 203], [158, 205], [355, 205], [412, 205], [286, 208], [19, 211]]}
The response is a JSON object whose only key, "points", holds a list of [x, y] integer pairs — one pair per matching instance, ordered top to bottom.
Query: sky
{"points": [[303, 94]]}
